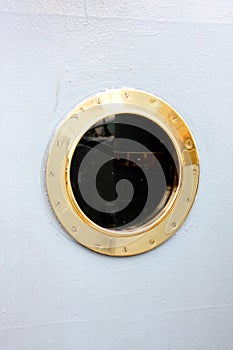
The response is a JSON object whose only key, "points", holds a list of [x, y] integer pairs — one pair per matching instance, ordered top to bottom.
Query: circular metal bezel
{"points": [[65, 140]]}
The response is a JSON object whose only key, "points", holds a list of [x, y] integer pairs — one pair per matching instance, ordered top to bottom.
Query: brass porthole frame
{"points": [[58, 187]]}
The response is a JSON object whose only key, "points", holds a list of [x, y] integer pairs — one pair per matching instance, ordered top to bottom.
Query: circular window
{"points": [[122, 172]]}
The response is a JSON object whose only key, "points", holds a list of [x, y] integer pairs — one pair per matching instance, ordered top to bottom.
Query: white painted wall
{"points": [[55, 294]]}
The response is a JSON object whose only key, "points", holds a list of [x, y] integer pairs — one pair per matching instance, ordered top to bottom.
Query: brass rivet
{"points": [[153, 101], [74, 116], [189, 144], [194, 171], [58, 204], [173, 224], [74, 228], [152, 241]]}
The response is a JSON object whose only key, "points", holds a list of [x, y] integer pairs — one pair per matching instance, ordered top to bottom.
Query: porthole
{"points": [[122, 172]]}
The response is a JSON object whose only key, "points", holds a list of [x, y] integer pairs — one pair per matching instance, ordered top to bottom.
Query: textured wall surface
{"points": [[55, 294]]}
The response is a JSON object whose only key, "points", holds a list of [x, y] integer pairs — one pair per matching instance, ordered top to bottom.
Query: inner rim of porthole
{"points": [[123, 125]]}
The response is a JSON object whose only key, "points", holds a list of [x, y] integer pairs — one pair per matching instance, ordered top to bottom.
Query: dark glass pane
{"points": [[130, 151]]}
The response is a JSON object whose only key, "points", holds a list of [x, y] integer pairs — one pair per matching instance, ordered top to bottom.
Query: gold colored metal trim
{"points": [[66, 138]]}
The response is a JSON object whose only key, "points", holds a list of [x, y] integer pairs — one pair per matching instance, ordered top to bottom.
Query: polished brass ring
{"points": [[64, 142]]}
